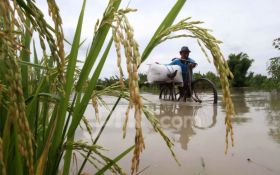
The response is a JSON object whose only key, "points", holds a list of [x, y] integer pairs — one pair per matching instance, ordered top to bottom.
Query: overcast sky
{"points": [[243, 25]]}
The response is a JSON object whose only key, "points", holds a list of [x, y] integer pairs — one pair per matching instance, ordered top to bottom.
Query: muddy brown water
{"points": [[198, 133]]}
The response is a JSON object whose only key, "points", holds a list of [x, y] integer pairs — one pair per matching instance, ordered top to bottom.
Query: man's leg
{"points": [[187, 89]]}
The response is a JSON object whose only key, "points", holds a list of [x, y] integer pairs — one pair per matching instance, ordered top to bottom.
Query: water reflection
{"points": [[239, 99], [258, 99], [269, 102], [273, 116], [183, 119], [192, 126]]}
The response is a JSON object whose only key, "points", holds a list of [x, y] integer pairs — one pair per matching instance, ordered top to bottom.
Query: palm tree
{"points": [[239, 65]]}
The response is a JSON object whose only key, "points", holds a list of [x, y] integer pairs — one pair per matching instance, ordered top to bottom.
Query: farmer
{"points": [[182, 62]]}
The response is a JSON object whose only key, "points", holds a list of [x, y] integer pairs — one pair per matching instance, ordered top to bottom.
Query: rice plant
{"points": [[42, 100]]}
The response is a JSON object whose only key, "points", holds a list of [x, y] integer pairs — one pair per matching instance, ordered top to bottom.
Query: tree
{"points": [[276, 43], [239, 65], [274, 66], [210, 76], [142, 78], [258, 81]]}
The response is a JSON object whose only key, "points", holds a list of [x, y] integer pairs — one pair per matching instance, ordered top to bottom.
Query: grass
{"points": [[39, 117]]}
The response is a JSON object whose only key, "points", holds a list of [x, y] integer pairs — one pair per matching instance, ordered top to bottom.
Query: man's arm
{"points": [[174, 62], [193, 63]]}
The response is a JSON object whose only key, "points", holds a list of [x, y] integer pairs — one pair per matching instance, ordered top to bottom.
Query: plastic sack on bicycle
{"points": [[160, 73]]}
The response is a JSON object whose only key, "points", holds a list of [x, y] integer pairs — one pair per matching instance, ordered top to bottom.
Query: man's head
{"points": [[184, 52]]}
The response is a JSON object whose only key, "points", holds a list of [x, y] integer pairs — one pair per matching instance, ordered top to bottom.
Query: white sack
{"points": [[158, 73]]}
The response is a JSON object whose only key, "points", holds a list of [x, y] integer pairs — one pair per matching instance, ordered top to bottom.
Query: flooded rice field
{"points": [[198, 133]]}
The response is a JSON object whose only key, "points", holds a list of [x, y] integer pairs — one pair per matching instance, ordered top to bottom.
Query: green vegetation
{"points": [[239, 65], [209, 75], [272, 82]]}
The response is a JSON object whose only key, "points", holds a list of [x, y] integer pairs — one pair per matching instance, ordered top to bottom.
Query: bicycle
{"points": [[201, 90]]}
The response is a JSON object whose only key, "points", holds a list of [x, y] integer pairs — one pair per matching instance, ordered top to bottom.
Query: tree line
{"points": [[239, 65]]}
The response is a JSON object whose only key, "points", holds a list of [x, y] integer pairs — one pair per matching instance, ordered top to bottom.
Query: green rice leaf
{"points": [[168, 21], [97, 43], [25, 56], [79, 110], [115, 160]]}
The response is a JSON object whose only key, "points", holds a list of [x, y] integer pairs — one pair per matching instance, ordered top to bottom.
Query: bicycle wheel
{"points": [[204, 91], [163, 92], [167, 92], [178, 93], [202, 116]]}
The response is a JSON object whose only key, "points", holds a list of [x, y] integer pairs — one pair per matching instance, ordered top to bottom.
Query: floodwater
{"points": [[198, 133]]}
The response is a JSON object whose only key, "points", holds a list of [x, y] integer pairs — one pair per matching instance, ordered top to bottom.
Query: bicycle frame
{"points": [[187, 86], [189, 89]]}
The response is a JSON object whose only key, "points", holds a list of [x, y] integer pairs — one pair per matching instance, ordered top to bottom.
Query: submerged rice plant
{"points": [[43, 100]]}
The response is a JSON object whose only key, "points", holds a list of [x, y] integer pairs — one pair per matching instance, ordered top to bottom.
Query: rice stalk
{"points": [[54, 13], [124, 35], [117, 41], [204, 51], [114, 90], [1, 93], [95, 106], [129, 107], [16, 108], [88, 127], [81, 145], [43, 157], [93, 162], [113, 162], [2, 164], [115, 168]]}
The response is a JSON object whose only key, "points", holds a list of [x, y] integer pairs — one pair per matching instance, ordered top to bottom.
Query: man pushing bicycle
{"points": [[186, 64]]}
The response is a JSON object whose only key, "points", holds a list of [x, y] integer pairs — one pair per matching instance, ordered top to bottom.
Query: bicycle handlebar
{"points": [[187, 62]]}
